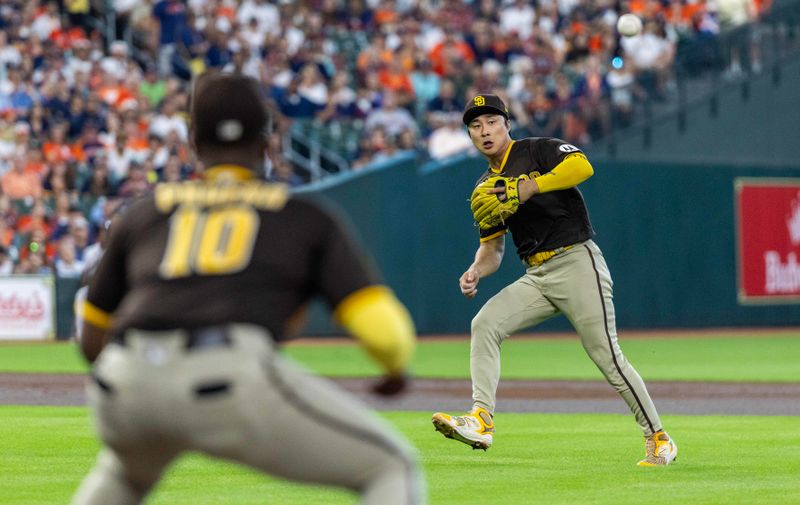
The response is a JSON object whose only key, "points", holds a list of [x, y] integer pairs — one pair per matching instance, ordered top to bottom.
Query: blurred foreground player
{"points": [[197, 285]]}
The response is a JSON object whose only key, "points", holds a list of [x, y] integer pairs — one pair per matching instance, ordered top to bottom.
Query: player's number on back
{"points": [[209, 241]]}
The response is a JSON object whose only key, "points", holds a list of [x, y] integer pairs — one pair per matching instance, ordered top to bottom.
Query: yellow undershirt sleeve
{"points": [[573, 170], [96, 316], [383, 325]]}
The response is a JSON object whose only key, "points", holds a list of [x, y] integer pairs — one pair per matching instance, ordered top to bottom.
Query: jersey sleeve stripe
{"points": [[493, 235], [96, 316]]}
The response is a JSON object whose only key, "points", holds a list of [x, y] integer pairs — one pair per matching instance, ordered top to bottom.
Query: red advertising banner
{"points": [[768, 236]]}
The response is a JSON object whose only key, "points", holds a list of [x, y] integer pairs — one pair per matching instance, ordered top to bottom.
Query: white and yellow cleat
{"points": [[474, 429], [660, 450]]}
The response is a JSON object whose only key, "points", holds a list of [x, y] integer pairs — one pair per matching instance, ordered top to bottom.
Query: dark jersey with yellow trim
{"points": [[549, 220], [199, 254]]}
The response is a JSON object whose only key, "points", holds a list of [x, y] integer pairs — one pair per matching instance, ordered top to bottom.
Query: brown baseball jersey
{"points": [[548, 220], [175, 252]]}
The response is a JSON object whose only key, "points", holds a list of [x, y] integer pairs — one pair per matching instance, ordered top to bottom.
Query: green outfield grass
{"points": [[736, 358], [537, 459]]}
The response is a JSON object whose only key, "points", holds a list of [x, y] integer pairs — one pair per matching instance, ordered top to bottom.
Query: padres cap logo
{"points": [[479, 100]]}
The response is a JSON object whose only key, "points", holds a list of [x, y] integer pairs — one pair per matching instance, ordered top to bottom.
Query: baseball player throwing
{"points": [[530, 190], [199, 283]]}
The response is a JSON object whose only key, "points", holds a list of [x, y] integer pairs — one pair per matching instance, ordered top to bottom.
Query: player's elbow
{"points": [[581, 167], [588, 170], [383, 325]]}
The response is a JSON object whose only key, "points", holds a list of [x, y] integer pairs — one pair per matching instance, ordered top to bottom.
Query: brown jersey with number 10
{"points": [[174, 253]]}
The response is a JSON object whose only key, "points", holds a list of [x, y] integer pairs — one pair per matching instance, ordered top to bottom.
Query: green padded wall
{"points": [[667, 231]]}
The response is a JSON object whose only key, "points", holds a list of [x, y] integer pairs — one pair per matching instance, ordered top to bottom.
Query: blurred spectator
{"points": [[123, 11], [733, 14], [266, 15], [170, 17], [517, 19], [46, 21], [451, 54], [10, 55], [650, 55], [117, 64], [394, 77], [426, 83], [312, 87], [152, 88], [591, 92], [623, 92], [341, 100], [445, 105], [96, 113], [391, 118], [544, 118], [169, 120], [449, 139], [172, 171], [283, 172], [61, 177], [19, 183], [136, 183], [35, 219], [79, 232], [6, 263], [34, 263], [67, 263]]}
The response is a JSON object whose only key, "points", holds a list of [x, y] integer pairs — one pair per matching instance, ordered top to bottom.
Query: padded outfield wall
{"points": [[667, 232]]}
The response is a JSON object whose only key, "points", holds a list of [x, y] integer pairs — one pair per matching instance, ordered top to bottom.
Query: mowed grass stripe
{"points": [[760, 358], [548, 459]]}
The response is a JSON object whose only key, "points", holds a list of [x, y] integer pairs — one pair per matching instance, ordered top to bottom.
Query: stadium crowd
{"points": [[93, 112]]}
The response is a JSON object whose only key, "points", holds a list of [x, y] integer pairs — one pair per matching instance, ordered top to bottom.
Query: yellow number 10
{"points": [[209, 241]]}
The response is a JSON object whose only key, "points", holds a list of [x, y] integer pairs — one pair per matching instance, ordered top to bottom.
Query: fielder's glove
{"points": [[492, 209]]}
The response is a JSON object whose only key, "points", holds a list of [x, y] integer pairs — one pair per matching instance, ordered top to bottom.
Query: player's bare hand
{"points": [[500, 191], [469, 283]]}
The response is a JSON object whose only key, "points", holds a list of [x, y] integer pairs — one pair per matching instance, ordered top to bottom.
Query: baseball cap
{"points": [[484, 104], [227, 110]]}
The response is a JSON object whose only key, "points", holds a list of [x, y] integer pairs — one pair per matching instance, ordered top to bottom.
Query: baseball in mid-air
{"points": [[629, 25]]}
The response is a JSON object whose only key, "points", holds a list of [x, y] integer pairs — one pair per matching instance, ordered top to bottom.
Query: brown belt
{"points": [[534, 260]]}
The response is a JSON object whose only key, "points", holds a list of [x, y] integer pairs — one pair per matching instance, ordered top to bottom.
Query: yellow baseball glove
{"points": [[492, 209]]}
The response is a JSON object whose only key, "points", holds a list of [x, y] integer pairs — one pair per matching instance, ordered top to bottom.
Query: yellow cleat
{"points": [[474, 429], [660, 450]]}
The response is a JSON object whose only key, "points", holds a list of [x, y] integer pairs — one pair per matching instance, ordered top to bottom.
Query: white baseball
{"points": [[629, 25]]}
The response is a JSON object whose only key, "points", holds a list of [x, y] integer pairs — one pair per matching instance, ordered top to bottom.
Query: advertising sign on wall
{"points": [[768, 236], [27, 307]]}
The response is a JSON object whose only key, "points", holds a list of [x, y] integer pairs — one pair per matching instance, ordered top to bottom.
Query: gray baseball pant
{"points": [[576, 283], [153, 399]]}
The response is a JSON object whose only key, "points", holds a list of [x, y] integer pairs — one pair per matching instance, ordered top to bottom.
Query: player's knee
{"points": [[483, 325], [599, 352], [396, 478]]}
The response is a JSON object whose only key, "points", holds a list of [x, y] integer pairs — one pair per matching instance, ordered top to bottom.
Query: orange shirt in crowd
{"points": [[762, 6], [384, 16], [65, 39], [596, 43], [439, 56], [367, 57], [398, 82], [115, 95], [57, 152], [35, 167], [21, 185], [6, 237]]}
